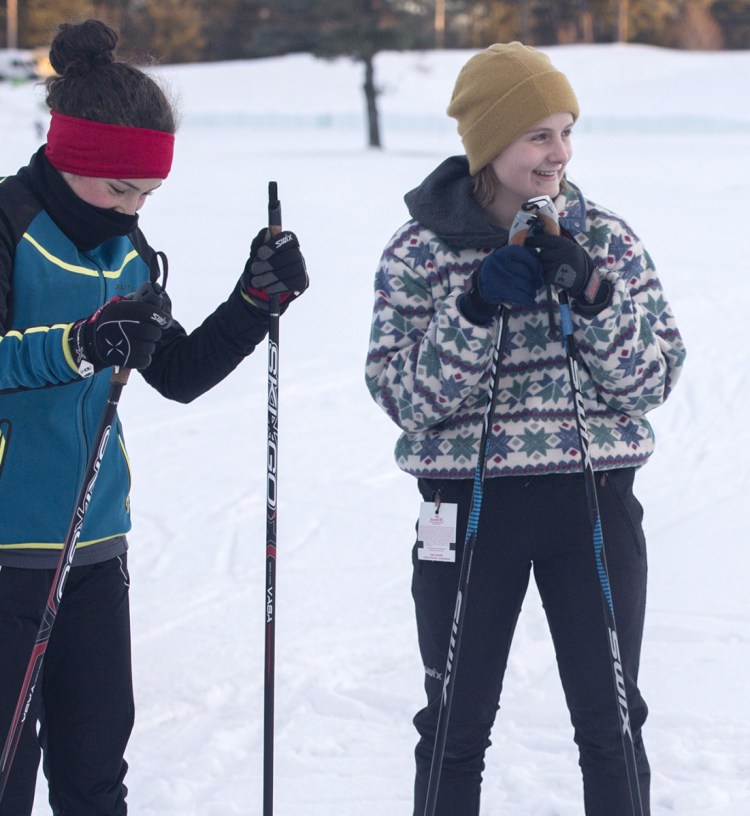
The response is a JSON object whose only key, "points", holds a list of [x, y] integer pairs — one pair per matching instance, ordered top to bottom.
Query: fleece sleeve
{"points": [[632, 349], [424, 361]]}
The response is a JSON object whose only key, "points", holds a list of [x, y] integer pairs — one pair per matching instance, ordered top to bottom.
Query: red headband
{"points": [[88, 148]]}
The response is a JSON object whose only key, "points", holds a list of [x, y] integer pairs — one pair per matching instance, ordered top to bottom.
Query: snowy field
{"points": [[664, 140]]}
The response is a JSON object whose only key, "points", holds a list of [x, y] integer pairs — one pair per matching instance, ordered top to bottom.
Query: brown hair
{"points": [[92, 84], [485, 183], [483, 186]]}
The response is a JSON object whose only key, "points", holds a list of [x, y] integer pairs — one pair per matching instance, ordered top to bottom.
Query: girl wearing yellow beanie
{"points": [[442, 281]]}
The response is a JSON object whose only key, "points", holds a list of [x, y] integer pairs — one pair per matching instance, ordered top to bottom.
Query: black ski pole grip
{"points": [[274, 209], [153, 293]]}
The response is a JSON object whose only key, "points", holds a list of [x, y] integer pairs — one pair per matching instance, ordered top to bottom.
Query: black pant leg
{"points": [[498, 582], [570, 589], [23, 595], [88, 694]]}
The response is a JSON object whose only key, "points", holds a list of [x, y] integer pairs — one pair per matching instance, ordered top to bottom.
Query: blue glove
{"points": [[511, 275]]}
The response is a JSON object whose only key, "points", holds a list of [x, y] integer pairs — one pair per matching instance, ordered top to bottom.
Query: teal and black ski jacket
{"points": [[49, 415]]}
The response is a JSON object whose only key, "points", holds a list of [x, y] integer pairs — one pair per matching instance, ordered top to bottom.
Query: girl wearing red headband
{"points": [[71, 250]]}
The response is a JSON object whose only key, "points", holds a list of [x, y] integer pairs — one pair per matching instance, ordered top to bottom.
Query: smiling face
{"points": [[532, 165], [121, 195]]}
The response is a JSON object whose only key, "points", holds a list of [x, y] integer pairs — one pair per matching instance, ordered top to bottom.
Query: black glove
{"points": [[568, 266], [275, 267], [511, 274], [123, 332]]}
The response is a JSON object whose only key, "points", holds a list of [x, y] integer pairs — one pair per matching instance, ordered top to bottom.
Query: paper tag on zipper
{"points": [[436, 532]]}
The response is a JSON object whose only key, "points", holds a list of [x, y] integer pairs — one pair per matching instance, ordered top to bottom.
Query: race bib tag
{"points": [[436, 532]]}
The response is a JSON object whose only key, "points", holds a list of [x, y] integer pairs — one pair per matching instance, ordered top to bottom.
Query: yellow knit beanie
{"points": [[502, 92]]}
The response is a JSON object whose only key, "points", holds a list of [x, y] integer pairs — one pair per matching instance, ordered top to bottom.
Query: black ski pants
{"points": [[539, 523], [82, 710]]}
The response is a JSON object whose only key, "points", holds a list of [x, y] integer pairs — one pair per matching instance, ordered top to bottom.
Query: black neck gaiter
{"points": [[86, 226]]}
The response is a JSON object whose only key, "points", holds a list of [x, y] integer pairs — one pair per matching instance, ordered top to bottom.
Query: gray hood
{"points": [[444, 204]]}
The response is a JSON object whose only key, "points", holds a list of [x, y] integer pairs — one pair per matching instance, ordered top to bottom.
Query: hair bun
{"points": [[81, 48], [91, 82]]}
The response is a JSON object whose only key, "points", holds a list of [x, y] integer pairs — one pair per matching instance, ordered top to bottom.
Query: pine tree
{"points": [[734, 18], [38, 19], [358, 29], [166, 30]]}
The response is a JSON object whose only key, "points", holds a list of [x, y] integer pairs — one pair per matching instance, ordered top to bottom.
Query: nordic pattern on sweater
{"points": [[428, 367]]}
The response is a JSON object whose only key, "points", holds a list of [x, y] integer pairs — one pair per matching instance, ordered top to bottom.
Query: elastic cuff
{"points": [[601, 301], [261, 304], [475, 309], [66, 345], [75, 353]]}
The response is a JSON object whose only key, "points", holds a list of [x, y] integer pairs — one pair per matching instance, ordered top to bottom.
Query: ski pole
{"points": [[549, 223], [517, 235], [119, 379], [272, 462], [600, 555]]}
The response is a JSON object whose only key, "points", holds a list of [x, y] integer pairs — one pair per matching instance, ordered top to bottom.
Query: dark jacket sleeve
{"points": [[17, 208], [6, 267], [184, 366]]}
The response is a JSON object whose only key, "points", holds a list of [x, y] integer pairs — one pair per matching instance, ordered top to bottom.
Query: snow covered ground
{"points": [[663, 140]]}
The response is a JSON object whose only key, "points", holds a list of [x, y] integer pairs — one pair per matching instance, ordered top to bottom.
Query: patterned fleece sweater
{"points": [[428, 367]]}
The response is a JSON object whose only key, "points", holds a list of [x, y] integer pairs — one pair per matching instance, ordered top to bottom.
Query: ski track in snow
{"points": [[348, 677]]}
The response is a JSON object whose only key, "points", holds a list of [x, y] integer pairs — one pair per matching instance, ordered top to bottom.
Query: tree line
{"points": [[209, 30], [177, 31]]}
